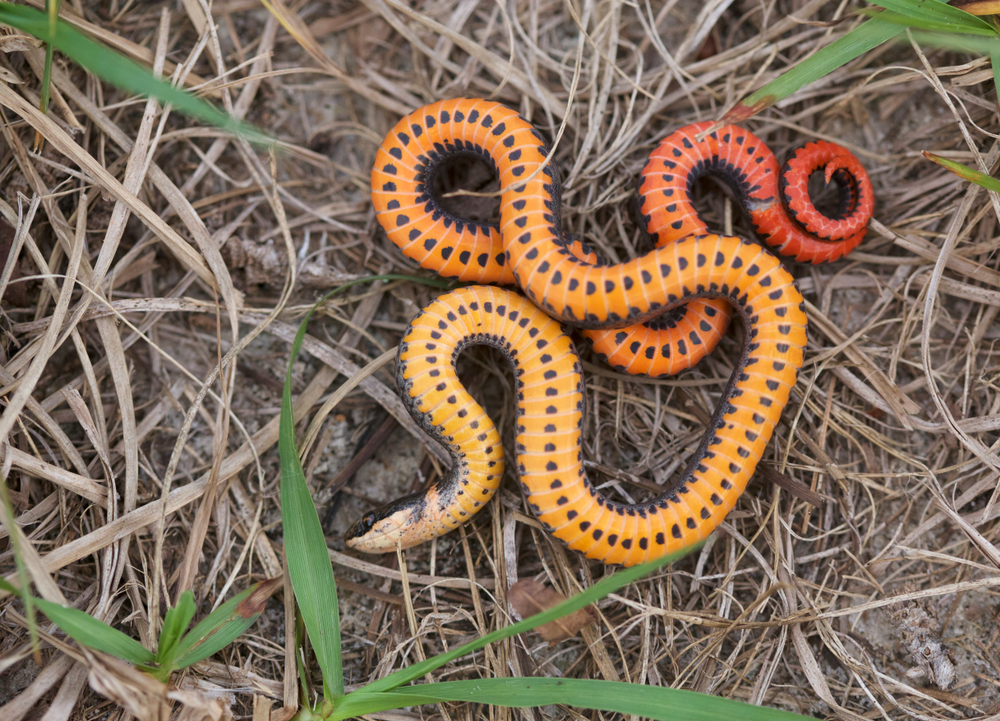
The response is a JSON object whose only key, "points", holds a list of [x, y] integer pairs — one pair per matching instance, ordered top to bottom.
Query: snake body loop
{"points": [[530, 248], [549, 460]]}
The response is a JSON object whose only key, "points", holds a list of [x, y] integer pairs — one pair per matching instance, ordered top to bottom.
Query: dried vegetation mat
{"points": [[154, 272]]}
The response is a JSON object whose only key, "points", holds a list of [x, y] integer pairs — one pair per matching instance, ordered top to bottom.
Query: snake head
{"points": [[400, 524]]}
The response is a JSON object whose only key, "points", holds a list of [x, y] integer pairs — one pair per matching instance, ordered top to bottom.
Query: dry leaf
{"points": [[977, 7], [19, 44], [529, 597], [134, 691], [196, 706]]}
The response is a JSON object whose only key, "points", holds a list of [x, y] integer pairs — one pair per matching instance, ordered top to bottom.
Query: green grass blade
{"points": [[52, 6], [927, 15], [933, 15], [930, 26], [858, 41], [959, 43], [995, 64], [120, 71], [46, 79], [965, 172], [7, 515], [305, 546], [599, 590], [175, 622], [224, 625], [88, 631], [654, 702]]}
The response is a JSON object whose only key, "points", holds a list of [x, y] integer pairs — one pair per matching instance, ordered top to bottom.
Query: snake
{"points": [[564, 282]]}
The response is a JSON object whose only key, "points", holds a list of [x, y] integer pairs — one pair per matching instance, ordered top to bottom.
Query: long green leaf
{"points": [[52, 8], [934, 15], [950, 25], [858, 41], [960, 43], [995, 64], [118, 70], [305, 546], [21, 570], [310, 571], [599, 590], [88, 631], [654, 702]]}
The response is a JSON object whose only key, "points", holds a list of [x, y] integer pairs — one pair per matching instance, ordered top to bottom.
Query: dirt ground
{"points": [[862, 584]]}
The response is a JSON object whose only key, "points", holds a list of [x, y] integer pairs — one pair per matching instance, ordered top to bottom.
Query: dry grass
{"points": [[881, 540]]}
